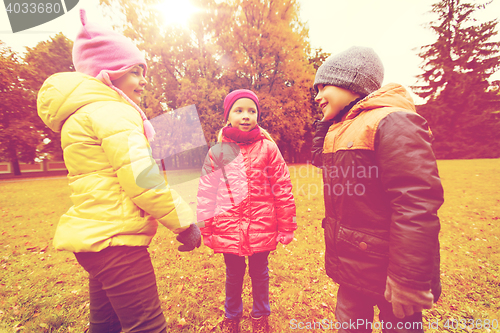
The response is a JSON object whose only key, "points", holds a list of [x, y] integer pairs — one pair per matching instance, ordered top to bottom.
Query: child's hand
{"points": [[285, 237], [190, 238], [405, 300]]}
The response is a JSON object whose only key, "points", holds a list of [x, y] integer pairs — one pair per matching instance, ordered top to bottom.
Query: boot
{"points": [[230, 325], [260, 325]]}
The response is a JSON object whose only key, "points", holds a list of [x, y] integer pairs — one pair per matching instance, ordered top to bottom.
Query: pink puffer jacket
{"points": [[245, 197]]}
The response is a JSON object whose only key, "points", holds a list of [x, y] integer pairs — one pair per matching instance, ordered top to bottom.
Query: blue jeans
{"points": [[259, 274], [122, 290], [355, 313]]}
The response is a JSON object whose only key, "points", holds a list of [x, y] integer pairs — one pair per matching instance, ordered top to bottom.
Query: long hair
{"points": [[263, 131]]}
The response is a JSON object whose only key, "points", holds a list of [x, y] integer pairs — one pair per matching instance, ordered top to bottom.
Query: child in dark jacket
{"points": [[382, 192], [245, 198]]}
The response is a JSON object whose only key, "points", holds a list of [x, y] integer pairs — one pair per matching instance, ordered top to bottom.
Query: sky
{"points": [[395, 29]]}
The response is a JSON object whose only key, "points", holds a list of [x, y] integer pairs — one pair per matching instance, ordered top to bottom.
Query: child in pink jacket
{"points": [[245, 198]]}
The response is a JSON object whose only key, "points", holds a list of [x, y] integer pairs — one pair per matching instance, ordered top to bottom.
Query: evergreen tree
{"points": [[461, 103]]}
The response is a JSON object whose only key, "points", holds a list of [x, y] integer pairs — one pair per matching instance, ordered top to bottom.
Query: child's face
{"points": [[132, 84], [333, 99], [243, 115]]}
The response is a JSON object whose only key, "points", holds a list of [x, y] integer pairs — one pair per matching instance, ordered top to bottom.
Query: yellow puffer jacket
{"points": [[118, 192]]}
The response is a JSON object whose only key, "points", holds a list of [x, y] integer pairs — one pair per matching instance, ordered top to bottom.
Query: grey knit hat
{"points": [[358, 69]]}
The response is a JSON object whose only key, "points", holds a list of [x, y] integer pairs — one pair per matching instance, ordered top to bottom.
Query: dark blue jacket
{"points": [[382, 192]]}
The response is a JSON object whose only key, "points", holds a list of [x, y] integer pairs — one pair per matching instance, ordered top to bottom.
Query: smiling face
{"points": [[132, 83], [333, 99], [243, 115]]}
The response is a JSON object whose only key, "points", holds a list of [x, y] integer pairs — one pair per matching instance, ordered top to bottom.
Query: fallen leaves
{"points": [[299, 286], [181, 322]]}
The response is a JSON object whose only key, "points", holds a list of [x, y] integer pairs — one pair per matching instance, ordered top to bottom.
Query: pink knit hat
{"points": [[108, 55], [235, 95]]}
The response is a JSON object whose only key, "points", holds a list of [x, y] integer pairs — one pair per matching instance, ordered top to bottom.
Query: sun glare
{"points": [[176, 12]]}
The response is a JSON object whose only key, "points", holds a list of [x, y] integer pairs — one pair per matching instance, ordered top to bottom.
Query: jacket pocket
{"points": [[330, 226], [363, 259]]}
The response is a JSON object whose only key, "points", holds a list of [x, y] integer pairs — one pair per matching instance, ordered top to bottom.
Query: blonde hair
{"points": [[263, 131]]}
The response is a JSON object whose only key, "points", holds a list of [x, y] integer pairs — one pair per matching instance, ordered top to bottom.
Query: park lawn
{"points": [[43, 290]]}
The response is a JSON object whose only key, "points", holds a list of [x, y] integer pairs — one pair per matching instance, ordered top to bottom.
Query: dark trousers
{"points": [[259, 274], [123, 292], [355, 314]]}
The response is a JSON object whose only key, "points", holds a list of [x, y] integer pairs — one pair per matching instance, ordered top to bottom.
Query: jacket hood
{"points": [[62, 94], [390, 95]]}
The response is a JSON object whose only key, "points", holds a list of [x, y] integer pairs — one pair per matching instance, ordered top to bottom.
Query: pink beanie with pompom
{"points": [[108, 55]]}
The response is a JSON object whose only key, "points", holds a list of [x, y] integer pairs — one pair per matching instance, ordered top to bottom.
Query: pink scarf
{"points": [[239, 136]]}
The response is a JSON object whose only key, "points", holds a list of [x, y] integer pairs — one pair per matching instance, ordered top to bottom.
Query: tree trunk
{"points": [[13, 158], [15, 165], [164, 168]]}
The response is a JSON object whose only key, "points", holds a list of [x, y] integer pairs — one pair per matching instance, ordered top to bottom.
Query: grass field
{"points": [[42, 290]]}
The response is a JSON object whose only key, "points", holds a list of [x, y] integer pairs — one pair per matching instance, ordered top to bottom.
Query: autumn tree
{"points": [[227, 45], [266, 50], [316, 58], [43, 60], [183, 69], [461, 102], [22, 132], [18, 135]]}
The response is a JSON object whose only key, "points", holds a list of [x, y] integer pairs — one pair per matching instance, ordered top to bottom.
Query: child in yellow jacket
{"points": [[118, 192]]}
